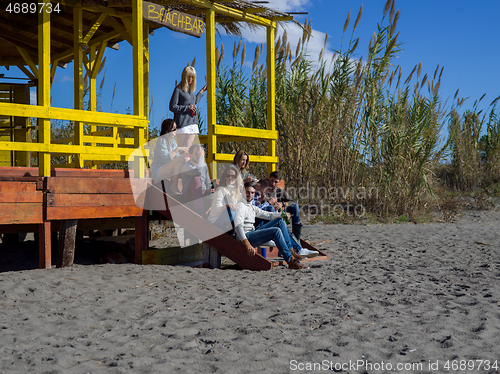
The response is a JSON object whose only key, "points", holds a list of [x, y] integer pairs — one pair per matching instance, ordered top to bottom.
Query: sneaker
{"points": [[307, 253]]}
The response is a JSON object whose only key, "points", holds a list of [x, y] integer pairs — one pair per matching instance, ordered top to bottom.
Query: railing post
{"points": [[138, 73], [78, 78], [44, 87], [271, 94], [211, 99]]}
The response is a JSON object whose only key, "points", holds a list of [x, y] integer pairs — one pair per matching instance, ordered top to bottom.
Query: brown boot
{"points": [[296, 255], [295, 264]]}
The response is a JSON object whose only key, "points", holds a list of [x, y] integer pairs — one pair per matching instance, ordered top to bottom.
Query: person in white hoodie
{"points": [[226, 198], [274, 230]]}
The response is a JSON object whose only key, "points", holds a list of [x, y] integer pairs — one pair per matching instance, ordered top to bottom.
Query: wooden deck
{"points": [[29, 203], [41, 204]]}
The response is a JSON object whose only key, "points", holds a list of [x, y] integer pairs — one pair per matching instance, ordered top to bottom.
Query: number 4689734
{"points": [[24, 8]]}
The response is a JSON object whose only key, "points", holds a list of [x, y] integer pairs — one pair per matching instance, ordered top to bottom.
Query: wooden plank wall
{"points": [[81, 198], [21, 202], [29, 202]]}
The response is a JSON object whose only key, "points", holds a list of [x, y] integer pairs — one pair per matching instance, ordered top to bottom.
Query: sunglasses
{"points": [[231, 176]]}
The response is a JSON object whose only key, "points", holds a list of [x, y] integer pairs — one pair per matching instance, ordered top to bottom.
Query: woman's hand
{"points": [[203, 89], [192, 108], [183, 150], [232, 206]]}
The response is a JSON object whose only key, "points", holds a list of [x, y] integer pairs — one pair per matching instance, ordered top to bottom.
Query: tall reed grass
{"points": [[354, 123]]}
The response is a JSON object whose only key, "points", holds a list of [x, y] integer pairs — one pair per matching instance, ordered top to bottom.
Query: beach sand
{"points": [[419, 295]]}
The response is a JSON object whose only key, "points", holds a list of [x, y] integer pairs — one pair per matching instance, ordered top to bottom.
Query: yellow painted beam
{"points": [[238, 15], [94, 28], [124, 33], [27, 59], [98, 60], [145, 61], [53, 71], [28, 73], [78, 78], [138, 80], [44, 89], [92, 90], [271, 95], [211, 98], [99, 118], [110, 131], [246, 132], [224, 139], [108, 140], [64, 149], [225, 157]]}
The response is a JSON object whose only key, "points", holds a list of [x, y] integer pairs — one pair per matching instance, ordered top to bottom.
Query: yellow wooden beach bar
{"points": [[41, 37]]}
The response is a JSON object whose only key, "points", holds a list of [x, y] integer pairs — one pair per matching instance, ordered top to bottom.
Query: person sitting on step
{"points": [[279, 196], [274, 230]]}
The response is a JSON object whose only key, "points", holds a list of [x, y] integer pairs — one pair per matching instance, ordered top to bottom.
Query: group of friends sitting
{"points": [[252, 210]]}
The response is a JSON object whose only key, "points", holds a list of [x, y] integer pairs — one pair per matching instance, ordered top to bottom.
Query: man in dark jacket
{"points": [[279, 195]]}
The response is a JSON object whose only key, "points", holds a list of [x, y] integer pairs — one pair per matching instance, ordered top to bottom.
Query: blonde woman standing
{"points": [[183, 105]]}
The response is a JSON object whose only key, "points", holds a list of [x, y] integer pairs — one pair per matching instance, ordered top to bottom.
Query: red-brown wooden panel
{"points": [[18, 171], [65, 172], [90, 173], [61, 185], [10, 186], [21, 197], [89, 199], [20, 213], [55, 213], [224, 243]]}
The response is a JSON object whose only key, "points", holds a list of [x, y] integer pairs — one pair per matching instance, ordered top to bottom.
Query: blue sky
{"points": [[460, 35]]}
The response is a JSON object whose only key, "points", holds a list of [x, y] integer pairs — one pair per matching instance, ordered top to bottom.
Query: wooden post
{"points": [[78, 78], [138, 81], [43, 88], [271, 93], [211, 99], [141, 236], [66, 247], [211, 257], [45, 258]]}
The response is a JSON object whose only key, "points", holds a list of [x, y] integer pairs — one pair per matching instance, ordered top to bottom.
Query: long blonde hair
{"points": [[186, 73], [234, 193]]}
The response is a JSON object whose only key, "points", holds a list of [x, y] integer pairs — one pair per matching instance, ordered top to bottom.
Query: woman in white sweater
{"points": [[226, 197]]}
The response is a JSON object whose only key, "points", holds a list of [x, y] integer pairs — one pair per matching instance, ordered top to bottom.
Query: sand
{"points": [[403, 298]]}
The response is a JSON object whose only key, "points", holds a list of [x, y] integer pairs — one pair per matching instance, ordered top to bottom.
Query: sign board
{"points": [[173, 19]]}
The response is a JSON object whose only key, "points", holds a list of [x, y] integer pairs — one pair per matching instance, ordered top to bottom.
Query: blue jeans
{"points": [[294, 211], [259, 221], [276, 231]]}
